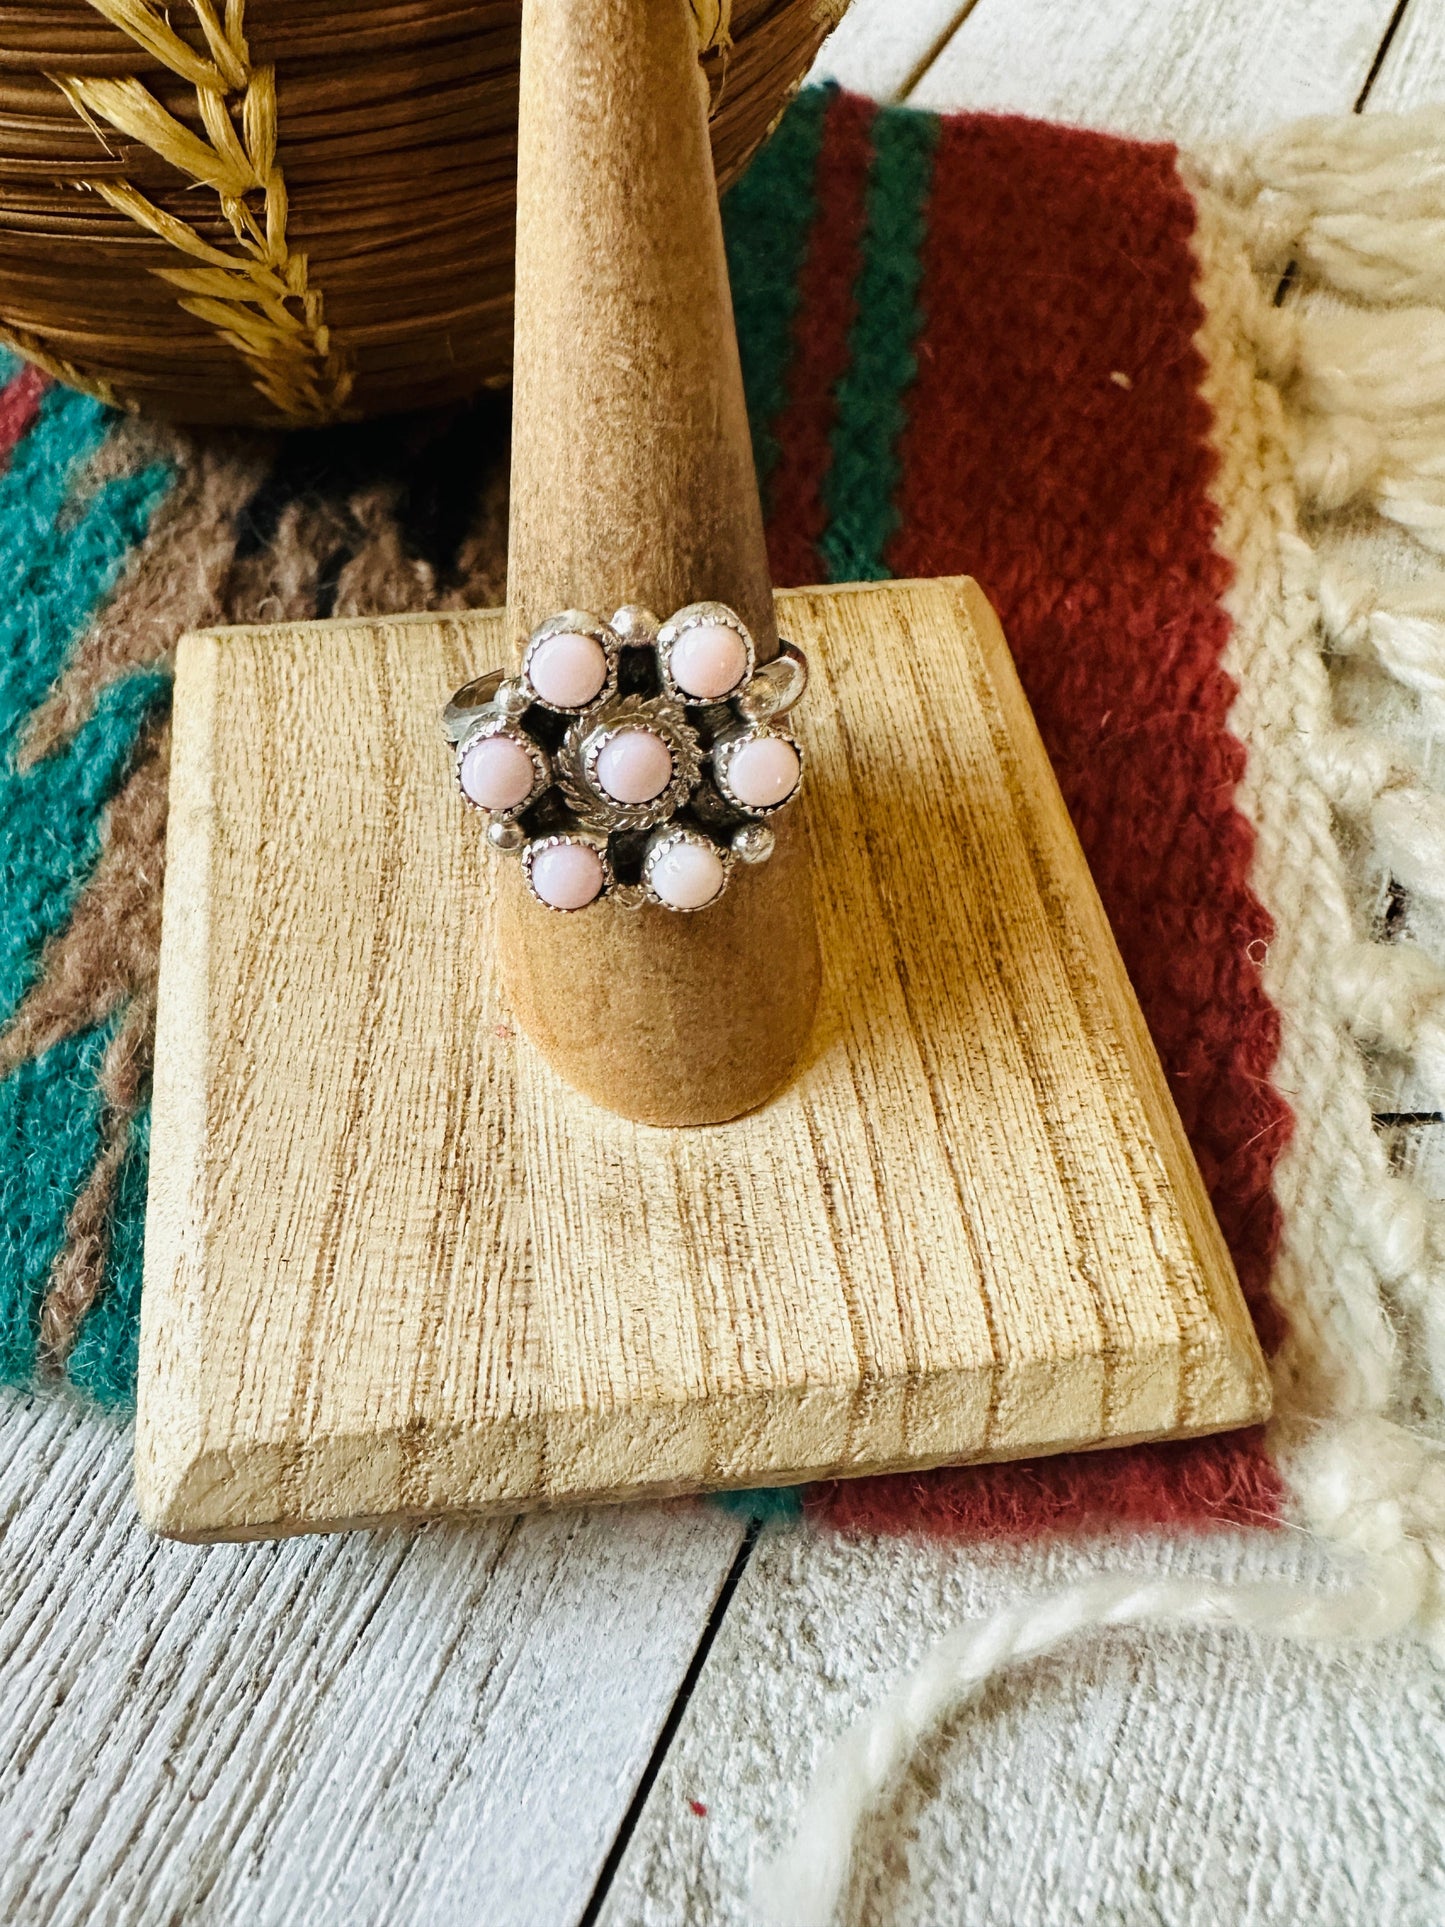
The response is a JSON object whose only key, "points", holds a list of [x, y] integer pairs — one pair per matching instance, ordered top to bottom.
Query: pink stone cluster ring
{"points": [[632, 759]]}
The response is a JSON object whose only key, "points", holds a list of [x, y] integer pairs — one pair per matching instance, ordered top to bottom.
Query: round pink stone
{"points": [[709, 661], [568, 670], [634, 766], [764, 772], [497, 773], [567, 875], [687, 875]]}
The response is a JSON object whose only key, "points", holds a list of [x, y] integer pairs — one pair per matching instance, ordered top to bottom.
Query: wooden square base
{"points": [[395, 1267]]}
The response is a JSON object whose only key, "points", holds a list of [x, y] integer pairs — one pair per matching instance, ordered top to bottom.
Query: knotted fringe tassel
{"points": [[1357, 206], [1350, 408]]}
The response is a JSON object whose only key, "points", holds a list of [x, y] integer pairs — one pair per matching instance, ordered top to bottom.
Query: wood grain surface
{"points": [[395, 1266]]}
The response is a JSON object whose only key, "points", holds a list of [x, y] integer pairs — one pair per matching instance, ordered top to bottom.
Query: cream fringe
{"points": [[1322, 407]]}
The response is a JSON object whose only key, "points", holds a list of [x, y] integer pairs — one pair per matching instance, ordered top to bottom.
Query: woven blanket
{"points": [[1051, 359]]}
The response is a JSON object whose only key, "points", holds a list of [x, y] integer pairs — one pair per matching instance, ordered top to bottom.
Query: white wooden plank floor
{"points": [[1178, 72], [507, 1725], [429, 1726]]}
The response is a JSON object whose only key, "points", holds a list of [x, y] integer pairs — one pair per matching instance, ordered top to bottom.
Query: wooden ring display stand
{"points": [[415, 1241]]}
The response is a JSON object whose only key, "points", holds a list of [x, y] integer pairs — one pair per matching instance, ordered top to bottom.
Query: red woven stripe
{"points": [[1057, 261], [826, 309], [19, 401], [1221, 1481]]}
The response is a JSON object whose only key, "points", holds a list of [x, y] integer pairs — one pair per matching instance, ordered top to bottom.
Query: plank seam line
{"points": [[937, 46], [1380, 53], [663, 1744]]}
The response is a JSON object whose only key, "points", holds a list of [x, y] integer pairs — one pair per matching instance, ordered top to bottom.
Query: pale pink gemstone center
{"points": [[708, 661], [568, 670], [634, 766], [764, 772], [497, 773], [567, 875], [687, 875]]}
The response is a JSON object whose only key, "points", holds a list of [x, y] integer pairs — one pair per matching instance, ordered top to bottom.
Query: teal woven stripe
{"points": [[767, 219], [863, 476], [34, 553], [59, 557], [61, 566], [50, 826], [49, 1138], [102, 1362], [763, 1504]]}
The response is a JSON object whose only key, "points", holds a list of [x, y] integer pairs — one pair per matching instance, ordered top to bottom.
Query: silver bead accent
{"points": [[634, 626], [512, 697], [758, 703], [506, 835], [753, 843], [627, 896]]}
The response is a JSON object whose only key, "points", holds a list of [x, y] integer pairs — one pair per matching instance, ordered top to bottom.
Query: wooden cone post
{"points": [[633, 482]]}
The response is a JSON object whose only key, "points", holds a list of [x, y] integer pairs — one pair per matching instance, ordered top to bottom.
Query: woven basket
{"points": [[293, 210]]}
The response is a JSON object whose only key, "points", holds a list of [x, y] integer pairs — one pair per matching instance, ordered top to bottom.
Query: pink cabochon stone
{"points": [[708, 660], [568, 670], [634, 766], [764, 772], [497, 773], [567, 875], [687, 875]]}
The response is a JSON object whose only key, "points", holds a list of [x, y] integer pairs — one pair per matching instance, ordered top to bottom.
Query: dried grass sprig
{"points": [[256, 298]]}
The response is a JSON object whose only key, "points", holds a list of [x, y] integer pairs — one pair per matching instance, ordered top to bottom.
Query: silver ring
{"points": [[636, 760]]}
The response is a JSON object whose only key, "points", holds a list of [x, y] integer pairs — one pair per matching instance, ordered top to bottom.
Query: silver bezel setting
{"points": [[716, 615], [573, 622], [494, 725], [585, 741], [726, 748], [668, 839], [534, 848]]}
